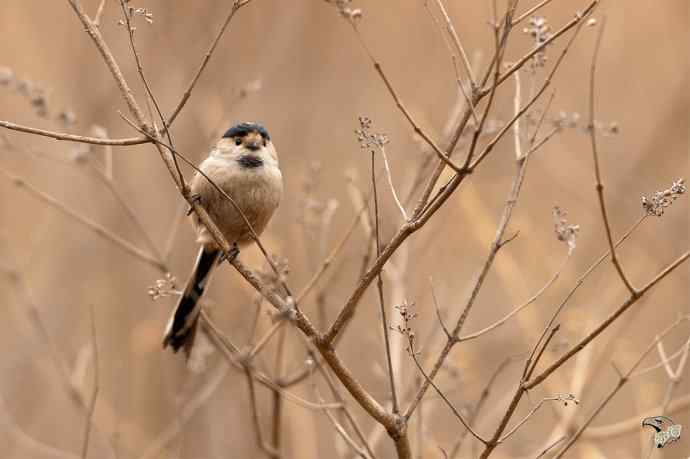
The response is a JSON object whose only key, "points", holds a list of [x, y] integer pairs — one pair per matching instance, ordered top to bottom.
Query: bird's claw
{"points": [[195, 198], [231, 254]]}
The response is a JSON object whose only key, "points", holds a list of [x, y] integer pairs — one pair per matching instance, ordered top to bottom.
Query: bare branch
{"points": [[236, 5], [530, 12], [99, 13], [458, 44], [73, 137], [597, 171], [90, 224], [379, 286], [520, 307], [606, 323], [428, 380], [621, 382], [562, 398]]}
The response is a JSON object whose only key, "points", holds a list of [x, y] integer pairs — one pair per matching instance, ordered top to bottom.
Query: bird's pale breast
{"points": [[256, 190]]}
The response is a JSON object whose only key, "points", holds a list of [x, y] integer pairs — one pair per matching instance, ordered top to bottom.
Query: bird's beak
{"points": [[253, 141]]}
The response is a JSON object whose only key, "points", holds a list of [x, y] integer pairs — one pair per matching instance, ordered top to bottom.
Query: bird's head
{"points": [[248, 143]]}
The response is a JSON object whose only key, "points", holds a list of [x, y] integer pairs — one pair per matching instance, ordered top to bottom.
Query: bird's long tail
{"points": [[181, 328]]}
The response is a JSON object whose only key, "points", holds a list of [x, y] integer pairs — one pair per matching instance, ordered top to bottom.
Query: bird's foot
{"points": [[195, 198], [231, 254]]}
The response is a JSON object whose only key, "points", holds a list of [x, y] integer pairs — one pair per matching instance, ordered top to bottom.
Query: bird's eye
{"points": [[238, 141]]}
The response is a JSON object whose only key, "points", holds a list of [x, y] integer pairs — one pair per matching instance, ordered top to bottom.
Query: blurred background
{"points": [[298, 68]]}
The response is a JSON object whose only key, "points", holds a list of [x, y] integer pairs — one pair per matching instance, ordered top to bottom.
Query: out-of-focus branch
{"points": [[236, 5], [530, 12], [97, 228], [520, 307], [606, 323], [623, 379], [94, 390], [632, 424], [263, 444]]}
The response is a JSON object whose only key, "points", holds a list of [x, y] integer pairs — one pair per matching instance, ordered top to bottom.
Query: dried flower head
{"points": [[343, 6], [132, 13], [540, 31], [572, 120], [367, 139], [656, 203], [565, 232], [163, 287], [407, 315], [565, 398]]}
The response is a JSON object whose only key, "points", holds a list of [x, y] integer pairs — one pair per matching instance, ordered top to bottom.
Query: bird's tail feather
{"points": [[181, 328]]}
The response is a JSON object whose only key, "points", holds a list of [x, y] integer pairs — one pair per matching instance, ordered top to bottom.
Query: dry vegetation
{"points": [[481, 251]]}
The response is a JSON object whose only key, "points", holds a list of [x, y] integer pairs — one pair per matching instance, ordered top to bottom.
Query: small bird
{"points": [[244, 164]]}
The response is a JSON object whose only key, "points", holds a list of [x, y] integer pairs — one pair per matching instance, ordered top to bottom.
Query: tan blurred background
{"points": [[305, 76]]}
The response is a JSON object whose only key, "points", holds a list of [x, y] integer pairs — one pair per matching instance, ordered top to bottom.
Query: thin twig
{"points": [[236, 5], [530, 12], [99, 13], [580, 16], [458, 44], [454, 58], [140, 70], [517, 100], [542, 118], [418, 130], [73, 137], [595, 156], [390, 183], [117, 194], [511, 202], [90, 224], [174, 226], [326, 263], [578, 283], [379, 286], [520, 307], [438, 310], [606, 323], [265, 339], [664, 362], [623, 379], [96, 387], [480, 403], [450, 405], [186, 412], [529, 415], [633, 423], [548, 448], [268, 449]]}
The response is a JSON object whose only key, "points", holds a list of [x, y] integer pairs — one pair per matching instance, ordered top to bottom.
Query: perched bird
{"points": [[244, 164]]}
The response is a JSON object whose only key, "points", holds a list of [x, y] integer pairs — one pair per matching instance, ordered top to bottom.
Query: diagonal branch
{"points": [[605, 324]]}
